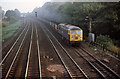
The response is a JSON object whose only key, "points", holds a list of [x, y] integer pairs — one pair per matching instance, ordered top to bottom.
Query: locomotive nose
{"points": [[76, 36]]}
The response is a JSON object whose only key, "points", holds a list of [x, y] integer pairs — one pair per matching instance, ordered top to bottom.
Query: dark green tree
{"points": [[17, 12], [12, 16]]}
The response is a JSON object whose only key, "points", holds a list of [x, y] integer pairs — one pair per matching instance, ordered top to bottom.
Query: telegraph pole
{"points": [[90, 25], [90, 35]]}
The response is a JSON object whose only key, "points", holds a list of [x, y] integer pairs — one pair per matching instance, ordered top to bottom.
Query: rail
{"points": [[12, 47], [38, 48], [16, 55], [29, 55], [69, 55], [115, 55], [110, 70]]}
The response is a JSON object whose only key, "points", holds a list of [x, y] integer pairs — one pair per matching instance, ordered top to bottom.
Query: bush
{"points": [[12, 20], [4, 24], [104, 40], [107, 42], [114, 48]]}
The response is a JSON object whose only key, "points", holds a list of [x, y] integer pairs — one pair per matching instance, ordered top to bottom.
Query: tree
{"points": [[17, 12], [0, 13], [105, 15], [11, 16]]}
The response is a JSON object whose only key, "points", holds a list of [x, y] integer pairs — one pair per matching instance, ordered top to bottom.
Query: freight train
{"points": [[70, 33]]}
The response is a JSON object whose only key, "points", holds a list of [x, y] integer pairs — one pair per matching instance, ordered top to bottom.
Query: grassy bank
{"points": [[9, 30], [108, 43]]}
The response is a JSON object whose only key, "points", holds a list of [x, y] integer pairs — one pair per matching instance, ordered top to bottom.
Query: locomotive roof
{"points": [[70, 27]]}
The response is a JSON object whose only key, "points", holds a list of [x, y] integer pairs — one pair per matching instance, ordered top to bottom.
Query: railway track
{"points": [[48, 24], [7, 46], [38, 48], [99, 48], [5, 55], [9, 57], [24, 57], [29, 66], [71, 66], [52, 67], [100, 67], [11, 68], [33, 69], [88, 70], [105, 71], [26, 72]]}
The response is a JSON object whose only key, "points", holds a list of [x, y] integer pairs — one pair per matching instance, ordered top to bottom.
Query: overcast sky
{"points": [[21, 5], [29, 5]]}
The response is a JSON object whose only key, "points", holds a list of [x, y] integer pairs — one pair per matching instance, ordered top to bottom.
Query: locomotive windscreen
{"points": [[75, 32], [78, 32]]}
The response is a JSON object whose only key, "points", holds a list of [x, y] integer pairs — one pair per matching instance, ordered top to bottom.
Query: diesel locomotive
{"points": [[70, 33]]}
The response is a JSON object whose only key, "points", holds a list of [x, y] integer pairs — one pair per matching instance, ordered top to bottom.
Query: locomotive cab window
{"points": [[73, 32], [78, 32]]}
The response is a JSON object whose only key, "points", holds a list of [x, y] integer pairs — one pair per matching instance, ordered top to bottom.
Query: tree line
{"points": [[11, 16], [105, 16]]}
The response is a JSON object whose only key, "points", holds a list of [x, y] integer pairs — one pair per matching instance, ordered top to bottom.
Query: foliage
{"points": [[0, 12], [17, 12], [12, 16], [105, 16], [12, 19], [5, 23], [9, 30], [104, 40], [107, 42], [114, 48]]}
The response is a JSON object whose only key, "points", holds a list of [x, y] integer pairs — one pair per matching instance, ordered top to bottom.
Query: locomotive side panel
{"points": [[64, 33]]}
